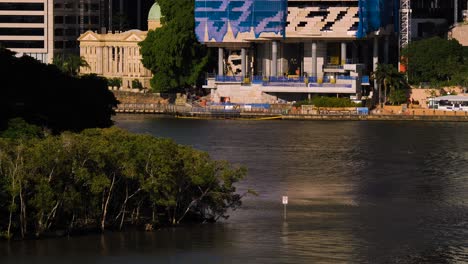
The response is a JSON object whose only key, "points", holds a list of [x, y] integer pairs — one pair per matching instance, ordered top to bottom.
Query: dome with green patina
{"points": [[155, 12]]}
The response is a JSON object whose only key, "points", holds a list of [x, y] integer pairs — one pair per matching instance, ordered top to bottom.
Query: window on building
{"points": [[22, 6], [21, 19], [58, 20], [70, 20], [94, 20], [21, 32], [58, 32], [70, 32], [23, 44], [58, 44], [70, 44]]}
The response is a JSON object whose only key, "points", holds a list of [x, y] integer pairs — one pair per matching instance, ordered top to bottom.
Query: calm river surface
{"points": [[359, 192]]}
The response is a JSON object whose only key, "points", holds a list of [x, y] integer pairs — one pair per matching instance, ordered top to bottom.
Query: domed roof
{"points": [[155, 12]]}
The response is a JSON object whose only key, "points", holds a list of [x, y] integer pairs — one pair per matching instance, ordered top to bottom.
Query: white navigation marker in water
{"points": [[285, 203]]}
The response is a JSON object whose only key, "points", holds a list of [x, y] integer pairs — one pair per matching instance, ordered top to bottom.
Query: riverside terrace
{"points": [[279, 49]]}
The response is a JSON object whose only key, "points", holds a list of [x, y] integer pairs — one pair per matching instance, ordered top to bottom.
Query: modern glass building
{"points": [[275, 49]]}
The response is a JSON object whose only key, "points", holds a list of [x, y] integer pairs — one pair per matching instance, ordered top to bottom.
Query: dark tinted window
{"points": [[22, 6], [21, 19], [58, 19], [70, 20], [22, 31], [58, 32], [23, 44]]}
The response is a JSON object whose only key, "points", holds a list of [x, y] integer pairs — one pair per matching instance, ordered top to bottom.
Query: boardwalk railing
{"points": [[152, 108], [229, 110]]}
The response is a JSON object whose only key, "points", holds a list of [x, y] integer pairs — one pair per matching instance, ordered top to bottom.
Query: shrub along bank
{"points": [[328, 102], [107, 179]]}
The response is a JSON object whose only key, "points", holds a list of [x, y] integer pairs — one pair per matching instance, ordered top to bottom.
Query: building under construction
{"points": [[269, 50]]}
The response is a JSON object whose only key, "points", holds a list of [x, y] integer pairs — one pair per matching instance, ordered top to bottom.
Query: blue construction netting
{"points": [[374, 14], [212, 17]]}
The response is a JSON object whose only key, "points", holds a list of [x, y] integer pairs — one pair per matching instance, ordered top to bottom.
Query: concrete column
{"points": [[386, 49], [343, 53], [376, 53], [117, 56], [274, 58], [121, 59], [124, 59], [314, 59], [99, 60], [106, 61], [114, 62], [138, 62], [220, 62], [243, 62], [375, 63]]}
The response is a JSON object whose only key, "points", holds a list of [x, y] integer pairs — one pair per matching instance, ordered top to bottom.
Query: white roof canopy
{"points": [[453, 98]]}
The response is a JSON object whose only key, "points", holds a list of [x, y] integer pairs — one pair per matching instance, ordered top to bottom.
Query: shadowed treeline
{"points": [[43, 95]]}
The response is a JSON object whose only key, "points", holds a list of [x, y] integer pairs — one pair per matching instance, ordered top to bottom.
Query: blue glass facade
{"points": [[374, 14], [243, 15]]}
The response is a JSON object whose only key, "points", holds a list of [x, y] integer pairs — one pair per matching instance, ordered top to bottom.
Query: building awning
{"points": [[452, 98]]}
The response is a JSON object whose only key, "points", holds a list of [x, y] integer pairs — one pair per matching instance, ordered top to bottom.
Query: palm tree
{"points": [[70, 64], [391, 79]]}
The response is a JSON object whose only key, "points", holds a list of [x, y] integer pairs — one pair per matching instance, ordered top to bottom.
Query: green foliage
{"points": [[172, 52], [438, 61], [70, 64], [391, 79], [114, 82], [136, 84], [45, 96], [398, 97], [328, 102], [20, 129], [109, 178]]}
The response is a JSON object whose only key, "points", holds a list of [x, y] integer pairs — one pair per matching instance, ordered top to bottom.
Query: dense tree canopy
{"points": [[172, 52], [438, 61], [70, 64], [393, 82], [46, 96], [107, 178]]}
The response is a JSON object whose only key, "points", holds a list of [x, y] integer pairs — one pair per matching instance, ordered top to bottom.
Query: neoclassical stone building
{"points": [[117, 55]]}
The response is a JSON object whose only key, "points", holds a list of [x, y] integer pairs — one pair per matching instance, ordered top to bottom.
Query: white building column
{"points": [[343, 53], [274, 58], [121, 59], [314, 59], [99, 60], [114, 62], [138, 62], [220, 62], [243, 62], [375, 63]]}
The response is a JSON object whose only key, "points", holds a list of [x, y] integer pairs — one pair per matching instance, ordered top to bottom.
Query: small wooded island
{"points": [[93, 178]]}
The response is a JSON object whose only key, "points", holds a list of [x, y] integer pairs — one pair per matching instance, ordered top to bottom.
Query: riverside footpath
{"points": [[260, 112]]}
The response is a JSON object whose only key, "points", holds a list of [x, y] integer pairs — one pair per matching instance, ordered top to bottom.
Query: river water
{"points": [[359, 192]]}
